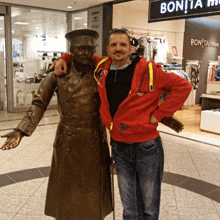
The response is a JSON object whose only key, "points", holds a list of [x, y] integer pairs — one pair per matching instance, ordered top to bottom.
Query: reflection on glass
{"points": [[79, 20], [38, 36], [3, 99]]}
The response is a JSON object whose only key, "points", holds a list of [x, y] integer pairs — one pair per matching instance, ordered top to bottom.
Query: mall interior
{"points": [[32, 35]]}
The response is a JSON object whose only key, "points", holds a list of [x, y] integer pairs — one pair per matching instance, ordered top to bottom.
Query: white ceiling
{"points": [[58, 4], [52, 23]]}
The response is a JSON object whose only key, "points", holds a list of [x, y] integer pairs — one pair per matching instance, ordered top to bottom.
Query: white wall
{"points": [[134, 14]]}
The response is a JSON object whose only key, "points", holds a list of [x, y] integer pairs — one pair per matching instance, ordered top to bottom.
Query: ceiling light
{"points": [[69, 6], [77, 18], [21, 23], [36, 27]]}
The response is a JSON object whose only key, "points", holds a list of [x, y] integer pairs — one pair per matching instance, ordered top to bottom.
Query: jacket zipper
{"points": [[116, 72], [111, 125]]}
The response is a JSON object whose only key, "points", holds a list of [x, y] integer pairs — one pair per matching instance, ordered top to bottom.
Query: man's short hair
{"points": [[120, 31]]}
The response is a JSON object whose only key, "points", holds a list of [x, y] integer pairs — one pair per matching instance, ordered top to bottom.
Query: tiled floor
{"points": [[190, 189]]}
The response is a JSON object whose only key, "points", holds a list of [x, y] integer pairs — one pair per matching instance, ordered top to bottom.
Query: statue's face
{"points": [[83, 54]]}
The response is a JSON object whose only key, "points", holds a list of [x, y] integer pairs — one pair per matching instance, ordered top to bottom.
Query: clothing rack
{"points": [[146, 32], [193, 62], [213, 62], [213, 65]]}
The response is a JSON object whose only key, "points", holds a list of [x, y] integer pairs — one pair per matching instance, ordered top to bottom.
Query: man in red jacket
{"points": [[130, 92]]}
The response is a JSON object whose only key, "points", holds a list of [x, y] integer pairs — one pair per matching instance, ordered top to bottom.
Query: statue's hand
{"points": [[61, 67], [173, 123], [13, 139]]}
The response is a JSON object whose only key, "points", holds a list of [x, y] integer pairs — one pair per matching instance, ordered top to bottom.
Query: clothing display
{"points": [[149, 47], [162, 49], [192, 69], [177, 71], [217, 74]]}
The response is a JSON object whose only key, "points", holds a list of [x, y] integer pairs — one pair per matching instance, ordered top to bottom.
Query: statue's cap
{"points": [[82, 37]]}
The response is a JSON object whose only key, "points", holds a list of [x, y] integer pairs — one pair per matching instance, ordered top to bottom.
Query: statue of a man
{"points": [[79, 184]]}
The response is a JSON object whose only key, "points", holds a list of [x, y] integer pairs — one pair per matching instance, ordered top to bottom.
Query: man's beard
{"points": [[120, 60], [83, 62]]}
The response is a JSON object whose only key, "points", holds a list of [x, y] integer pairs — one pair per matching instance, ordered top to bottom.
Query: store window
{"points": [[79, 20], [38, 36]]}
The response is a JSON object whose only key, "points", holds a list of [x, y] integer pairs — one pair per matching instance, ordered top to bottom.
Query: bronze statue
{"points": [[79, 185]]}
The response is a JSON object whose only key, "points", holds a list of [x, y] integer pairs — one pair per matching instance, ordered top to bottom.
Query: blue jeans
{"points": [[139, 168]]}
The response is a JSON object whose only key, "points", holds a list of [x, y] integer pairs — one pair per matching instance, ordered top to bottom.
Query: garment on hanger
{"points": [[148, 45], [162, 48], [192, 69]]}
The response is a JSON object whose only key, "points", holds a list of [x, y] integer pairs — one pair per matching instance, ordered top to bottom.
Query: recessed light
{"points": [[69, 6], [78, 18], [21, 23], [36, 27]]}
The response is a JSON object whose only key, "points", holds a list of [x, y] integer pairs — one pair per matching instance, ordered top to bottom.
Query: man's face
{"points": [[119, 48], [83, 54]]}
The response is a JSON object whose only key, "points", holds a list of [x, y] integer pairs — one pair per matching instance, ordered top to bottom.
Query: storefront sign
{"points": [[167, 10], [95, 22], [203, 43]]}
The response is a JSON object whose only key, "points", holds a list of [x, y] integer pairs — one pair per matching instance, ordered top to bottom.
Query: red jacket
{"points": [[131, 122]]}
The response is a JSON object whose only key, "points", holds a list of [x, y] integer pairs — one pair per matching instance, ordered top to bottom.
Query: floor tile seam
{"points": [[18, 119], [191, 139], [12, 157], [216, 157], [194, 163], [21, 171], [40, 171], [9, 178], [199, 180], [180, 184], [218, 189], [203, 195], [30, 196], [176, 202], [23, 205], [218, 212]]}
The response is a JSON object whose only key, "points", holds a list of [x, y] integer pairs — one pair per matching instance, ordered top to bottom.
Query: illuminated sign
{"points": [[167, 10], [203, 43]]}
